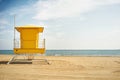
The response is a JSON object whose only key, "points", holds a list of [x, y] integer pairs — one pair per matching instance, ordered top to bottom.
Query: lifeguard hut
{"points": [[30, 42]]}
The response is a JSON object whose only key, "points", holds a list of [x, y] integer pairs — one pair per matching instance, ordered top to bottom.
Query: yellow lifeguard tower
{"points": [[30, 42]]}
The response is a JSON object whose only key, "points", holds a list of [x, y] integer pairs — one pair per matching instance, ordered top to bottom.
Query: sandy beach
{"points": [[62, 68]]}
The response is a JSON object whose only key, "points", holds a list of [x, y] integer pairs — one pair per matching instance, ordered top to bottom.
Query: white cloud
{"points": [[107, 2], [61, 8], [52, 9], [3, 22], [4, 32]]}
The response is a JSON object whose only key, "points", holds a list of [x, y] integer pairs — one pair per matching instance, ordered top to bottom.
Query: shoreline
{"points": [[69, 55]]}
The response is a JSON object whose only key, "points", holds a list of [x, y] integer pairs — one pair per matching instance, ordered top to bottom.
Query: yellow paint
{"points": [[29, 36], [29, 51]]}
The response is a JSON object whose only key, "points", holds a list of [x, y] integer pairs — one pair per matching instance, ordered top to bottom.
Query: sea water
{"points": [[73, 52]]}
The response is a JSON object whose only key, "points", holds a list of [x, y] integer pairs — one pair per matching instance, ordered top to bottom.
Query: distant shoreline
{"points": [[72, 52], [62, 56]]}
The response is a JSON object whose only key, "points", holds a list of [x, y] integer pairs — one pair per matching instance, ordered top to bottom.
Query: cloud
{"points": [[107, 2], [52, 9], [3, 22], [4, 32]]}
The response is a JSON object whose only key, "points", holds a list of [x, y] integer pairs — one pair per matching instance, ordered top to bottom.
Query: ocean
{"points": [[73, 52]]}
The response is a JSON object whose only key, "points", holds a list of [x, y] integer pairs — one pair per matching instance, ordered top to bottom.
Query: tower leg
{"points": [[11, 59], [45, 59]]}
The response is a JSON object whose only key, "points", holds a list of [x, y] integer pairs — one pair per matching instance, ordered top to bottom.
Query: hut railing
{"points": [[17, 43], [41, 43]]}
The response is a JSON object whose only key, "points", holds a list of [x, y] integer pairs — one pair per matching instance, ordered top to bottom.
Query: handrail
{"points": [[17, 43], [41, 43]]}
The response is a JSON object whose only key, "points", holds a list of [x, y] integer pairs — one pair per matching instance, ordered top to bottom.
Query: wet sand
{"points": [[61, 68]]}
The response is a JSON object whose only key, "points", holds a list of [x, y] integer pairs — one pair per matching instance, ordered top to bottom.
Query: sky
{"points": [[68, 24]]}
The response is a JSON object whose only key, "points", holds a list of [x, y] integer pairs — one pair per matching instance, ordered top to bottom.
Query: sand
{"points": [[62, 68]]}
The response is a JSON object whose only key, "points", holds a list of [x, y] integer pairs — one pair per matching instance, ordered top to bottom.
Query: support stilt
{"points": [[11, 59]]}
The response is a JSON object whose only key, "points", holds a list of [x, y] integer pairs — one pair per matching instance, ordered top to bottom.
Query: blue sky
{"points": [[69, 24]]}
